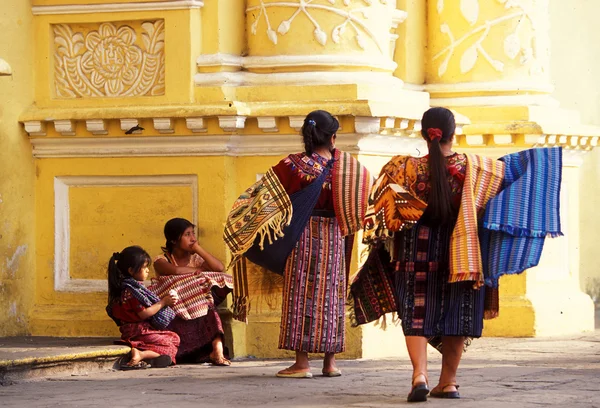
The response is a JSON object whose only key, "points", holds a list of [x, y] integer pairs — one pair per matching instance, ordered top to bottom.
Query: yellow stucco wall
{"points": [[577, 86], [92, 201], [17, 225]]}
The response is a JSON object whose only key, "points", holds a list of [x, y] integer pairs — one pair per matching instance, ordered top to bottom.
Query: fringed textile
{"points": [[350, 184], [523, 214]]}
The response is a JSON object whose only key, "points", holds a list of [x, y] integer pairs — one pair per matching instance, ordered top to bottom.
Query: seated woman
{"points": [[198, 279]]}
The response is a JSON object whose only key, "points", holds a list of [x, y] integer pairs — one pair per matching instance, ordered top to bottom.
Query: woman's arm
{"points": [[212, 263], [164, 268], [168, 300]]}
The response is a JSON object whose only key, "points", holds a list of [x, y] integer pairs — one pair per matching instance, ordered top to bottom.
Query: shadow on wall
{"points": [[592, 288]]}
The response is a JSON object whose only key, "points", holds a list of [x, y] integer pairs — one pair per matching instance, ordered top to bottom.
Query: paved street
{"points": [[495, 373]]}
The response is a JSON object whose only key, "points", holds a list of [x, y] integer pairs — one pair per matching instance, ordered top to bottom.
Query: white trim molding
{"points": [[117, 7], [244, 78], [180, 146], [62, 224]]}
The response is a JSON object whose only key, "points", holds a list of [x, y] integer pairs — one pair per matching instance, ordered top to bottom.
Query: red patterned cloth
{"points": [[198, 292], [138, 333], [143, 336]]}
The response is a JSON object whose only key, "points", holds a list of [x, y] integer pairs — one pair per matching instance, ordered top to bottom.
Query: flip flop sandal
{"points": [[161, 361], [142, 365], [335, 373], [294, 374], [419, 391], [446, 394]]}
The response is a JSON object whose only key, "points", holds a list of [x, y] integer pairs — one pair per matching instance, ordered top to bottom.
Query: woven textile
{"points": [[483, 181], [351, 184], [394, 204], [262, 211], [523, 214], [254, 218], [196, 290], [314, 293], [147, 298], [428, 304]]}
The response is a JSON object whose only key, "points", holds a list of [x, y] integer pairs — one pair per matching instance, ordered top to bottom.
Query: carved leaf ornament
{"points": [[354, 18], [513, 45], [107, 62]]}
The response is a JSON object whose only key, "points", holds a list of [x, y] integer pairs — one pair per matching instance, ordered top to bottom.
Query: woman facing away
{"points": [[307, 207], [424, 224], [198, 278], [142, 317]]}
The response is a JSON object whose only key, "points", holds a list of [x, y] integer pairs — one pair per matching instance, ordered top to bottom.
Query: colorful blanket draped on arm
{"points": [[265, 209], [523, 214], [514, 226]]}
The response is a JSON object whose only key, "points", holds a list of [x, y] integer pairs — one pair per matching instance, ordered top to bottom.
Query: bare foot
{"points": [[136, 357], [218, 359], [329, 364], [295, 368]]}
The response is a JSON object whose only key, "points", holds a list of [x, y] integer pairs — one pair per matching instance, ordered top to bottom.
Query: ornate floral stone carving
{"points": [[357, 19], [521, 28], [109, 61]]}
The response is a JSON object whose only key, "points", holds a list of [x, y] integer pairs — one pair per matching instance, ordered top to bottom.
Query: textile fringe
{"points": [[269, 231], [522, 232], [383, 323]]}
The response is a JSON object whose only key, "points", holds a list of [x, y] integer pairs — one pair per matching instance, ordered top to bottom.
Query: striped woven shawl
{"points": [[351, 183], [523, 214]]}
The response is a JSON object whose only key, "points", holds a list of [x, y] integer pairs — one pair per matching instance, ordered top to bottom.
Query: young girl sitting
{"points": [[191, 271], [140, 314]]}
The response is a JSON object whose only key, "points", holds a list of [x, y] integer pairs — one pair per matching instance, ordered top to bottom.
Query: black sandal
{"points": [[161, 361], [124, 366], [419, 391], [446, 394]]}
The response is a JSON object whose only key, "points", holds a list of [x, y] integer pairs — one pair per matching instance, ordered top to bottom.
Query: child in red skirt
{"points": [[140, 314]]}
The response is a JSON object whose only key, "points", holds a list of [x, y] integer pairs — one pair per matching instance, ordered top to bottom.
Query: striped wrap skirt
{"points": [[314, 292]]}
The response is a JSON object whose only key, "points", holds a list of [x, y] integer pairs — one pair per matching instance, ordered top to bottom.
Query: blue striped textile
{"points": [[523, 214]]}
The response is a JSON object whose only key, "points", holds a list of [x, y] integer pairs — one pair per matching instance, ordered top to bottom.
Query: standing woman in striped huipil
{"points": [[321, 196]]}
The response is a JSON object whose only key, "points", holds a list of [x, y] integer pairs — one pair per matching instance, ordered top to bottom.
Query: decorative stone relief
{"points": [[355, 16], [525, 43], [109, 61]]}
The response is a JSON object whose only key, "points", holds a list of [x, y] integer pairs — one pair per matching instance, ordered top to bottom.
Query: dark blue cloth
{"points": [[274, 255], [147, 298]]}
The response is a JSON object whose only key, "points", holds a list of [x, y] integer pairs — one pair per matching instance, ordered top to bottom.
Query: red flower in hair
{"points": [[435, 134]]}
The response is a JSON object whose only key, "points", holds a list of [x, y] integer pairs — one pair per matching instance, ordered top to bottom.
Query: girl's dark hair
{"points": [[438, 122], [318, 128], [174, 229], [133, 257]]}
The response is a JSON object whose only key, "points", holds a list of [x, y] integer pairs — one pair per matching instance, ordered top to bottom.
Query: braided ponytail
{"points": [[438, 127]]}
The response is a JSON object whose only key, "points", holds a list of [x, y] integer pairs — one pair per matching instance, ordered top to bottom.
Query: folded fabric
{"points": [[523, 214], [163, 317]]}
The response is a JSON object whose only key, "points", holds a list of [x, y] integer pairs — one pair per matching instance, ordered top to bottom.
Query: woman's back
{"points": [[457, 167]]}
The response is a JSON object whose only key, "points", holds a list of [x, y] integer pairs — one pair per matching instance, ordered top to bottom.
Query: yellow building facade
{"points": [[117, 116]]}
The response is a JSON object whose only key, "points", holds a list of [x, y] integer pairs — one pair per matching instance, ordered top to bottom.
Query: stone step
{"points": [[32, 357]]}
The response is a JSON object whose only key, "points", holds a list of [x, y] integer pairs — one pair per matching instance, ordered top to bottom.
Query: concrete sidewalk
{"points": [[495, 373]]}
